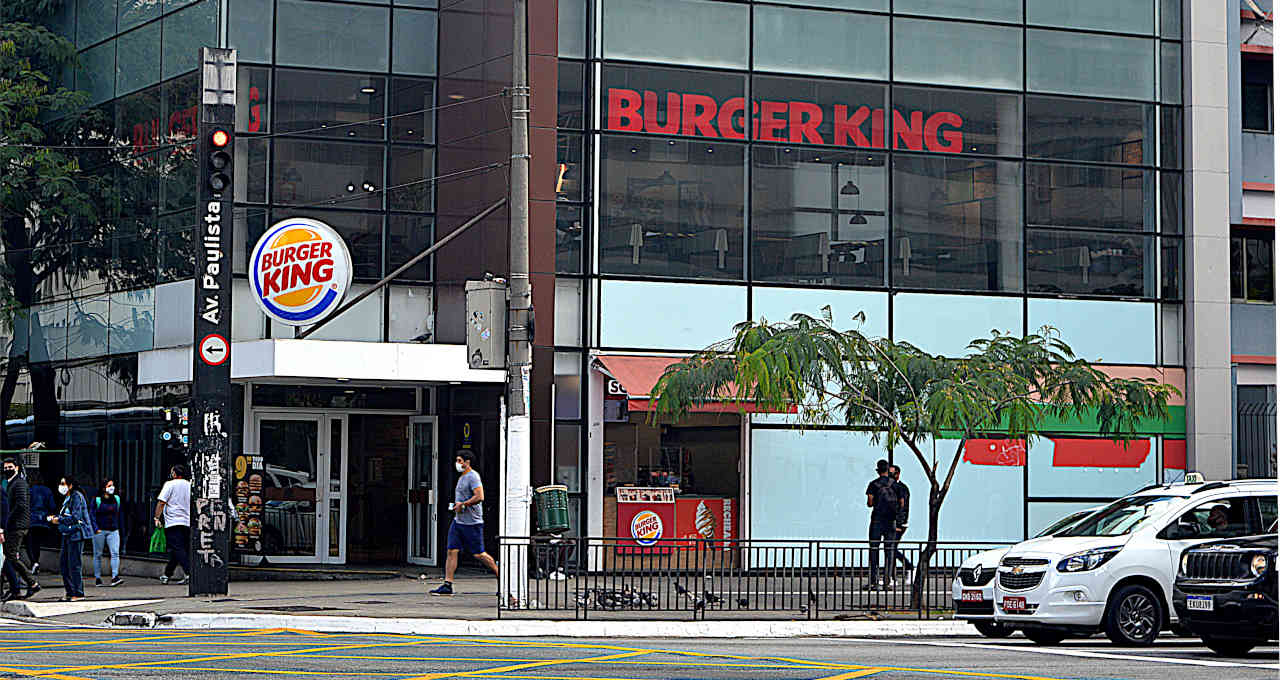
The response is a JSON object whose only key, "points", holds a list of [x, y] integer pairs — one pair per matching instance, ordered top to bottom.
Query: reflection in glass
{"points": [[989, 10], [134, 12], [1096, 15], [97, 20], [249, 26], [187, 31], [675, 31], [321, 34], [414, 43], [820, 43], [956, 53], [138, 59], [1086, 64], [1171, 73], [96, 74], [180, 101], [329, 104], [570, 105], [858, 106], [412, 115], [956, 121], [1086, 130], [1170, 137], [569, 167], [413, 171], [343, 174], [178, 177], [250, 184], [1091, 196], [1171, 202], [671, 208], [818, 217], [957, 223], [361, 231], [408, 235], [569, 239], [175, 260], [1090, 263], [1171, 268], [1260, 272], [568, 381], [568, 455], [288, 487]]}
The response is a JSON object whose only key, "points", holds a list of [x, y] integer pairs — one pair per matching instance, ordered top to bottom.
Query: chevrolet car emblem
{"points": [[1017, 570]]}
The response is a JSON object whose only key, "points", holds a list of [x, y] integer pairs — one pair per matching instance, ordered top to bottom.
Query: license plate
{"points": [[971, 596], [1200, 602], [1014, 604]]}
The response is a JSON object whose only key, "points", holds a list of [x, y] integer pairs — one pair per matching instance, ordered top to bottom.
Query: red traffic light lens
{"points": [[220, 138]]}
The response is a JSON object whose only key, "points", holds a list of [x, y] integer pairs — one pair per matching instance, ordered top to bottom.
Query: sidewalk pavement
{"points": [[402, 606]]}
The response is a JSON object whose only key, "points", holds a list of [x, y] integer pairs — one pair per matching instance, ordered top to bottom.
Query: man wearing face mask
{"points": [[14, 532], [466, 532]]}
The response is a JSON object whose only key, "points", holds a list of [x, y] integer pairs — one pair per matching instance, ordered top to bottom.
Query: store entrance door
{"points": [[423, 462], [304, 487]]}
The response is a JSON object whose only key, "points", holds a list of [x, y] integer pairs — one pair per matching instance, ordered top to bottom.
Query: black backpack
{"points": [[887, 501]]}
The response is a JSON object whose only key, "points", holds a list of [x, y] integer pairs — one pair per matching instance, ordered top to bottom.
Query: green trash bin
{"points": [[551, 508]]}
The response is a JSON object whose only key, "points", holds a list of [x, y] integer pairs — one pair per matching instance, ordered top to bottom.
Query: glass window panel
{"points": [[429, 4], [170, 5], [868, 5], [987, 10], [1119, 16], [1171, 18], [63, 21], [96, 21], [249, 26], [572, 31], [676, 31], [185, 32], [323, 34], [414, 42], [819, 43], [955, 53], [138, 59], [1085, 64], [97, 73], [1171, 73], [180, 99], [673, 102], [330, 104], [570, 104], [1256, 106], [412, 110], [253, 111], [811, 111], [138, 121], [956, 121], [1088, 130], [1170, 137], [252, 156], [569, 167], [413, 170], [305, 172], [178, 177], [138, 187], [1091, 196], [1171, 202], [671, 208], [819, 217], [957, 223], [361, 231], [408, 235], [569, 239], [176, 245], [1090, 263], [1171, 268], [1237, 268], [1260, 273], [778, 304], [568, 309], [693, 315], [132, 321], [946, 324], [48, 326], [87, 327], [1171, 330], [1104, 331], [568, 381], [568, 456], [1102, 468], [1042, 515]]}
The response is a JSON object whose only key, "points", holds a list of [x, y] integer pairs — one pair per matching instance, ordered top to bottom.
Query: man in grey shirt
{"points": [[466, 532]]}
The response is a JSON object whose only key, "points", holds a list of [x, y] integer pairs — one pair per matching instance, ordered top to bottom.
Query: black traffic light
{"points": [[220, 142]]}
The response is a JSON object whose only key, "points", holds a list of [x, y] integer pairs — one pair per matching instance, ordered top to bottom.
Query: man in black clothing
{"points": [[904, 495], [885, 507], [14, 531]]}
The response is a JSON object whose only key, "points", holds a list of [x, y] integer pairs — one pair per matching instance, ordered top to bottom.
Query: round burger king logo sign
{"points": [[300, 269], [646, 527]]}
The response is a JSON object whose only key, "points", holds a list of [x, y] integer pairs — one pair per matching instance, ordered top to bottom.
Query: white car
{"points": [[1113, 571], [972, 589]]}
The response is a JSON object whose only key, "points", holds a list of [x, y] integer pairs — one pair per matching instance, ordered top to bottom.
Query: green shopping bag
{"points": [[157, 541]]}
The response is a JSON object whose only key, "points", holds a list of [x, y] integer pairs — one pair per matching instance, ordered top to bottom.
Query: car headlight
{"points": [[1088, 560], [1184, 564], [1258, 565]]}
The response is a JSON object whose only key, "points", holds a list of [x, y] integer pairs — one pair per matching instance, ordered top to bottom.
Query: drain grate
{"points": [[297, 608]]}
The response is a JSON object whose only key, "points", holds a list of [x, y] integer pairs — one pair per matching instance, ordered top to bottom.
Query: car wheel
{"points": [[1134, 616], [992, 629], [1044, 637], [1230, 647]]}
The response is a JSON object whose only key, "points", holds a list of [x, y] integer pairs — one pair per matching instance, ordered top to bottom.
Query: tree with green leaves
{"points": [[1003, 386]]}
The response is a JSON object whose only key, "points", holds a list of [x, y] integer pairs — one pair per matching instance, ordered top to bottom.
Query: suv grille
{"points": [[1023, 561], [1214, 565], [984, 577], [1023, 581]]}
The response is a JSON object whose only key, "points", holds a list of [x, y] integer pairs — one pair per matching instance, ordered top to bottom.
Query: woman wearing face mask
{"points": [[107, 522], [76, 527]]}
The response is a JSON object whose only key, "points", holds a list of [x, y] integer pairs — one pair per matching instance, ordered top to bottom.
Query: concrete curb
{"points": [[43, 610], [559, 629]]}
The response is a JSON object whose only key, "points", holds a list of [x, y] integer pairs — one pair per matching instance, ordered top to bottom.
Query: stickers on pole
{"points": [[300, 270]]}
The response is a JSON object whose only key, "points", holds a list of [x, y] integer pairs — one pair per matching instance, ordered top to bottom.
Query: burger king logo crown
{"points": [[300, 269]]}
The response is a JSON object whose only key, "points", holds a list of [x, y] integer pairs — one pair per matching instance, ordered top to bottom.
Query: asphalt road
{"points": [[69, 653]]}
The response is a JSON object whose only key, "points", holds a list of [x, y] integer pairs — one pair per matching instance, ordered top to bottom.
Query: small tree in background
{"points": [[1003, 386]]}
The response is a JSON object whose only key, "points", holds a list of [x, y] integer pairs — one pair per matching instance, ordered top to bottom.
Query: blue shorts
{"points": [[466, 537]]}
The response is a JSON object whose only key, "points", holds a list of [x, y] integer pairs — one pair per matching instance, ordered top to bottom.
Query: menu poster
{"points": [[249, 472], [646, 516], [712, 519]]}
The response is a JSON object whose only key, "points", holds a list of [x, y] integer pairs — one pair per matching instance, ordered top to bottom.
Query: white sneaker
{"points": [[35, 568], [164, 580]]}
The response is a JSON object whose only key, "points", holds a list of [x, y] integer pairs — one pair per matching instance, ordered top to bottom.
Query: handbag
{"points": [[158, 544]]}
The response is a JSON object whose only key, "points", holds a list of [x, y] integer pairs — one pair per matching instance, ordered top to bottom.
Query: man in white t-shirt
{"points": [[173, 512]]}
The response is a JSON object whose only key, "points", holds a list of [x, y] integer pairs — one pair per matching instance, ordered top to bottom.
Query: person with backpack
{"points": [[904, 495], [885, 506], [108, 519], [76, 527], [14, 532]]}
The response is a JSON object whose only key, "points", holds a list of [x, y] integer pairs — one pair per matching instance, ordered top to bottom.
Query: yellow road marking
{"points": [[526, 666], [39, 674], [855, 674]]}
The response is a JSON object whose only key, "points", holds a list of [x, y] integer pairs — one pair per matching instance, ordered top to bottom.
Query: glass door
{"points": [[422, 490], [335, 493], [303, 497]]}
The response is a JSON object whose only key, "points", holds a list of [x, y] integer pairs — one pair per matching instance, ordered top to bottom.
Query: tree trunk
{"points": [[919, 599]]}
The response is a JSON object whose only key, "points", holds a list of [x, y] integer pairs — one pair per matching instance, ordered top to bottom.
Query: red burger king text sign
{"points": [[300, 270]]}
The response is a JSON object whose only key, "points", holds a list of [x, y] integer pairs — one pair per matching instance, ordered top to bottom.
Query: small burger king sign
{"points": [[299, 270]]}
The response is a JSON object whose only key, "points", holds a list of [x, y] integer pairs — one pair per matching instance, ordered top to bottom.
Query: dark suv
{"points": [[1226, 592]]}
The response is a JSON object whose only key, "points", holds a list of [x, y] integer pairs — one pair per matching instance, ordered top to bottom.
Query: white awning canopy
{"points": [[325, 359]]}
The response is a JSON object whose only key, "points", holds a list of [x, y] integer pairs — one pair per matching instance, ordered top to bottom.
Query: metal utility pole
{"points": [[520, 310]]}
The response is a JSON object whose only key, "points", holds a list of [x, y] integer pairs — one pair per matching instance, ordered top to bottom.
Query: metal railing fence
{"points": [[1256, 438]]}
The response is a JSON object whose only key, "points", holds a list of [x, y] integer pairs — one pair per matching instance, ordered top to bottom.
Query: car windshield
{"points": [[1123, 517], [1064, 523]]}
